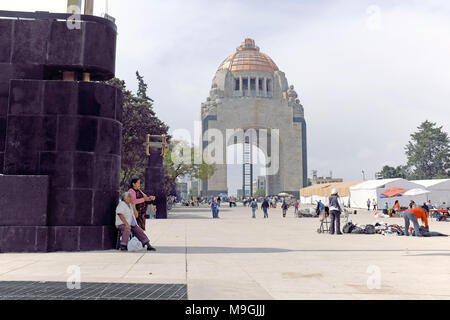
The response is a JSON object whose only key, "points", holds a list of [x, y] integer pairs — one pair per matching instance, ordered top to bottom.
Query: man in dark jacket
{"points": [[265, 206]]}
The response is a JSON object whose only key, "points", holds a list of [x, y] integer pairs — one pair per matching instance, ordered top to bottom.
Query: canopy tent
{"points": [[373, 189], [439, 190], [416, 192], [314, 193]]}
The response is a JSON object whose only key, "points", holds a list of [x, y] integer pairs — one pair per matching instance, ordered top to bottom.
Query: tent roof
{"points": [[432, 182], [374, 184], [324, 190], [392, 192]]}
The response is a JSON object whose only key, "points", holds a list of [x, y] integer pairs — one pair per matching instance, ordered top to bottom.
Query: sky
{"points": [[367, 72]]}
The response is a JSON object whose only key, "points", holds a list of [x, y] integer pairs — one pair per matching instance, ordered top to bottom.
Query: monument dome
{"points": [[248, 57]]}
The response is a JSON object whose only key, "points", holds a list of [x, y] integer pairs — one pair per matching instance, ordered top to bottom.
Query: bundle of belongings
{"points": [[307, 213], [349, 227], [385, 229]]}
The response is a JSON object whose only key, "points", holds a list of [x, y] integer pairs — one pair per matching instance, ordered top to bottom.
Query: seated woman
{"points": [[396, 207], [126, 222]]}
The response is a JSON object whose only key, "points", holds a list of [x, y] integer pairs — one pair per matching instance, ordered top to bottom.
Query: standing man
{"points": [[218, 201], [374, 203], [368, 204], [254, 206], [265, 206], [295, 207], [284, 208], [336, 208], [214, 209], [413, 214]]}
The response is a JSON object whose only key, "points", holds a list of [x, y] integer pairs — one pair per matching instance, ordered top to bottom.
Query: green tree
{"points": [[138, 119], [428, 152], [179, 165], [395, 172], [193, 192], [259, 193]]}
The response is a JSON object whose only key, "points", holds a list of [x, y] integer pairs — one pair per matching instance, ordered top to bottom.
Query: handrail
{"points": [[44, 15]]}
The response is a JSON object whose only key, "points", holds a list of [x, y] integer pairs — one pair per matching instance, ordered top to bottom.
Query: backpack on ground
{"points": [[348, 227], [370, 229], [357, 230]]}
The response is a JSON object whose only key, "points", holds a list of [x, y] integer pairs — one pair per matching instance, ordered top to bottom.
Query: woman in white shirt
{"points": [[126, 222]]}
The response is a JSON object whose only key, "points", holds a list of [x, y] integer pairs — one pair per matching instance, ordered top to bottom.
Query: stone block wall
{"points": [[68, 132]]}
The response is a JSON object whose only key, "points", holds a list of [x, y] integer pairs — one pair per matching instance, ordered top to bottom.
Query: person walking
{"points": [[138, 201], [218, 201], [374, 203], [368, 204], [254, 206], [265, 206], [295, 207], [284, 208], [336, 208], [214, 209]]}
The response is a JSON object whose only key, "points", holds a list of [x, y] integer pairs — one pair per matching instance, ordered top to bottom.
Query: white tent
{"points": [[372, 189], [440, 190], [416, 192]]}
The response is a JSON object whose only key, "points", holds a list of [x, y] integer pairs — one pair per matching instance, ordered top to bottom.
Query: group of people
{"points": [[267, 203], [372, 203], [130, 215], [411, 215]]}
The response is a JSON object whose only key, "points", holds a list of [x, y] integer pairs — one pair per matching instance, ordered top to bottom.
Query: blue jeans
{"points": [[253, 212], [266, 215], [409, 216]]}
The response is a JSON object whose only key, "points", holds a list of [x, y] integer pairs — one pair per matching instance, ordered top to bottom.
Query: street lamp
{"points": [[364, 176]]}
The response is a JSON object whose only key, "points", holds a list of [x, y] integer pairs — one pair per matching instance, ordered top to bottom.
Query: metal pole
{"points": [[71, 3], [89, 7]]}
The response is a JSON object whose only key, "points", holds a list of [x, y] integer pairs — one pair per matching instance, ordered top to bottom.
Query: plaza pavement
{"points": [[237, 257]]}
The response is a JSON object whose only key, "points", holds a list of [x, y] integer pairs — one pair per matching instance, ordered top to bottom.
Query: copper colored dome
{"points": [[248, 57]]}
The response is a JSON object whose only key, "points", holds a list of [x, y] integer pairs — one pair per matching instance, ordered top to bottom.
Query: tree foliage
{"points": [[139, 119], [428, 152], [180, 162], [395, 172], [259, 193]]}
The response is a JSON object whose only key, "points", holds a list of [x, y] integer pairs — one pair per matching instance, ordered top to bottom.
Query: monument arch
{"points": [[250, 92]]}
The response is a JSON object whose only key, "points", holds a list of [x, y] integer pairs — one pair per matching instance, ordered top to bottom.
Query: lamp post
{"points": [[364, 175]]}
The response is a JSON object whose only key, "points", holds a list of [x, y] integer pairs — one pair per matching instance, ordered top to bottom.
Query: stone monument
{"points": [[249, 92], [60, 132], [154, 173]]}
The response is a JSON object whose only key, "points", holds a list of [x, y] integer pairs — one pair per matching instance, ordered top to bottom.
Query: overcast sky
{"points": [[367, 72]]}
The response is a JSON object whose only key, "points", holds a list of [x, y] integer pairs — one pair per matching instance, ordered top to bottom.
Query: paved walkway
{"points": [[237, 257]]}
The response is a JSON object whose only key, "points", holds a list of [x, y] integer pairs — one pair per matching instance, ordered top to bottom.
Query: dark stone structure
{"points": [[60, 141], [154, 174]]}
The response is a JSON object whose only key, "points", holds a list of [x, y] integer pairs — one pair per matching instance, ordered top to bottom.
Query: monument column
{"points": [[240, 87], [154, 174]]}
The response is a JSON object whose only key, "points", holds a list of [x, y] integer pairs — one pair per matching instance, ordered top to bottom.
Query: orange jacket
{"points": [[420, 214]]}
